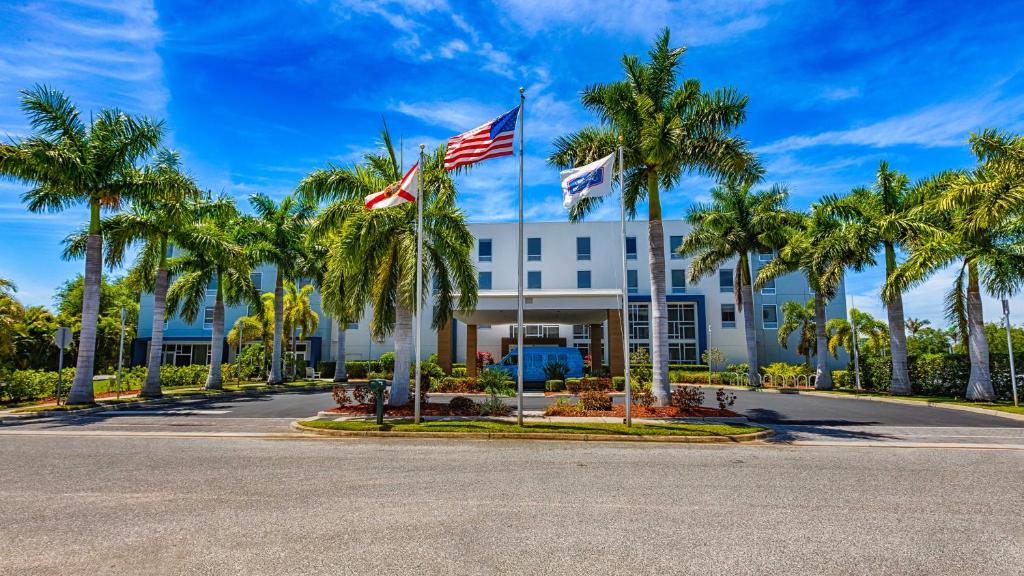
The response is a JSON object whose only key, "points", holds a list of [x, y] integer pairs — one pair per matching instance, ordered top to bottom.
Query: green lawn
{"points": [[497, 426]]}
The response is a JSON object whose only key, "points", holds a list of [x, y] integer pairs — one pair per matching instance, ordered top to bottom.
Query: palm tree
{"points": [[668, 130], [69, 163], [890, 211], [152, 220], [735, 224], [980, 231], [277, 236], [822, 248], [375, 253], [214, 259], [11, 313], [800, 318], [302, 320], [260, 324], [915, 325], [839, 332]]}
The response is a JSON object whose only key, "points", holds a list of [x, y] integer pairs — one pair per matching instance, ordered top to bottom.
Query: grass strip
{"points": [[498, 426]]}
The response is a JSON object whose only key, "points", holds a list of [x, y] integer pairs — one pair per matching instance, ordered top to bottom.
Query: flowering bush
{"points": [[687, 397], [725, 399]]}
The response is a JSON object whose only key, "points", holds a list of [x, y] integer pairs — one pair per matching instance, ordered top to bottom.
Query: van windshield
{"points": [[509, 360]]}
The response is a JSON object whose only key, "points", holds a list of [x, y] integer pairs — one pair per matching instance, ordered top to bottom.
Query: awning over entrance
{"points": [[583, 306]]}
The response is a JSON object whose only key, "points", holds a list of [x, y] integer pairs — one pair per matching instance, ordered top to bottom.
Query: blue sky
{"points": [[256, 94]]}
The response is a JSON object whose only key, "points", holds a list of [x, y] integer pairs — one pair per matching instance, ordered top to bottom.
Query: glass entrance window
{"points": [[682, 321], [639, 322]]}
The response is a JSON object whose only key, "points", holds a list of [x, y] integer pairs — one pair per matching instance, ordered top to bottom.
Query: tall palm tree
{"points": [[668, 130], [68, 163], [891, 211], [152, 221], [735, 224], [980, 232], [277, 236], [820, 247], [375, 253], [216, 259], [302, 319], [258, 325], [915, 325]]}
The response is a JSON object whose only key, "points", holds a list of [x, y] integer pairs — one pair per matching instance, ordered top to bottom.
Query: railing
{"points": [[788, 381]]}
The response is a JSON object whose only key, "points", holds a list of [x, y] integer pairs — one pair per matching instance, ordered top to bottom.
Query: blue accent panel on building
{"points": [[702, 317], [455, 340], [315, 345], [138, 352]]}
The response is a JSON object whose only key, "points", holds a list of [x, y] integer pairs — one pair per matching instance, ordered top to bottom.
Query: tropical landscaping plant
{"points": [[668, 129], [69, 162], [735, 224], [375, 253]]}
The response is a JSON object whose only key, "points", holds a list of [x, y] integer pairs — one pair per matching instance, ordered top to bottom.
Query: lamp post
{"points": [[1009, 349]]}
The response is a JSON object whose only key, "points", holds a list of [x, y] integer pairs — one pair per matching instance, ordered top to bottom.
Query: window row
{"points": [[485, 249], [583, 280]]}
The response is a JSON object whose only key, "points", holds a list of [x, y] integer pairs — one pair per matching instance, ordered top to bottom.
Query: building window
{"points": [[674, 242], [630, 247], [583, 248], [533, 249], [484, 250], [766, 255], [583, 278], [257, 280], [484, 280], [533, 280], [679, 281], [725, 281], [631, 282], [212, 286], [769, 287], [728, 315], [769, 316], [208, 318], [682, 321], [639, 322], [352, 326], [536, 331], [581, 331], [584, 348], [682, 352], [185, 354]]}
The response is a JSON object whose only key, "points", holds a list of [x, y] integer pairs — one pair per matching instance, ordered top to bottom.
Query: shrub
{"points": [[713, 357], [386, 362], [640, 367], [740, 367], [326, 368], [356, 369], [556, 370], [459, 372], [783, 374], [183, 376], [693, 377], [842, 379], [496, 382], [592, 383], [619, 383], [22, 385], [453, 385], [554, 385], [573, 385], [340, 394], [362, 394], [641, 394], [687, 397], [725, 399], [596, 400], [462, 406], [493, 406], [565, 407]]}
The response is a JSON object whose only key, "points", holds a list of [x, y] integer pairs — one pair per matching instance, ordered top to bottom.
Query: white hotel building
{"points": [[573, 289]]}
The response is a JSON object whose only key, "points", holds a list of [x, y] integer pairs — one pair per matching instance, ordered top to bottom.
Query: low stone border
{"points": [[160, 401], [540, 417], [738, 438]]}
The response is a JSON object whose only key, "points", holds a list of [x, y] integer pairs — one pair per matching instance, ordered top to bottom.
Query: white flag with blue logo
{"points": [[590, 181]]}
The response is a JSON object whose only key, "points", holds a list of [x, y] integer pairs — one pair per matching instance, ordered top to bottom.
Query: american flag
{"points": [[491, 140]]}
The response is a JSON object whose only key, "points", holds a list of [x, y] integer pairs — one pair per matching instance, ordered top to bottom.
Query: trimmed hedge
{"points": [[554, 385]]}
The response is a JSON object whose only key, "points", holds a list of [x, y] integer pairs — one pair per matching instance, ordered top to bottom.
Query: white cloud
{"points": [[694, 23], [452, 48], [838, 94], [942, 125]]}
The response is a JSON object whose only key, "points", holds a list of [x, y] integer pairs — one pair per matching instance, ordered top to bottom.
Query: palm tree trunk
{"points": [[749, 322], [403, 355], [275, 359], [294, 363], [340, 369], [822, 375], [215, 380], [900, 385], [979, 385], [151, 387], [661, 387], [82, 388]]}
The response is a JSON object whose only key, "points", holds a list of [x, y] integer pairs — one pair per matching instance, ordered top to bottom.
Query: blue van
{"points": [[539, 356]]}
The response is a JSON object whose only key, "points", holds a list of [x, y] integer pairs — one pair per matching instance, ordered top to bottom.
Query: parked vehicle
{"points": [[539, 356]]}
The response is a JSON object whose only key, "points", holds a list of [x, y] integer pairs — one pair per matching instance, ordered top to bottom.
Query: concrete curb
{"points": [[158, 402], [539, 416], [738, 438]]}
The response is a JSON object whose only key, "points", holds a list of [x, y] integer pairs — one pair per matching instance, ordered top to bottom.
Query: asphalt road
{"points": [[95, 506]]}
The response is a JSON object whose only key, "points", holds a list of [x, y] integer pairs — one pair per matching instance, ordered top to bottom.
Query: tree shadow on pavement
{"points": [[790, 430]]}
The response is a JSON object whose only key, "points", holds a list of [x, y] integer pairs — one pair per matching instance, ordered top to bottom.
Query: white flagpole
{"points": [[420, 194], [625, 291], [519, 312]]}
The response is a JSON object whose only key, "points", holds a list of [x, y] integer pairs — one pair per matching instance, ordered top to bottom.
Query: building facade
{"points": [[572, 288]]}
